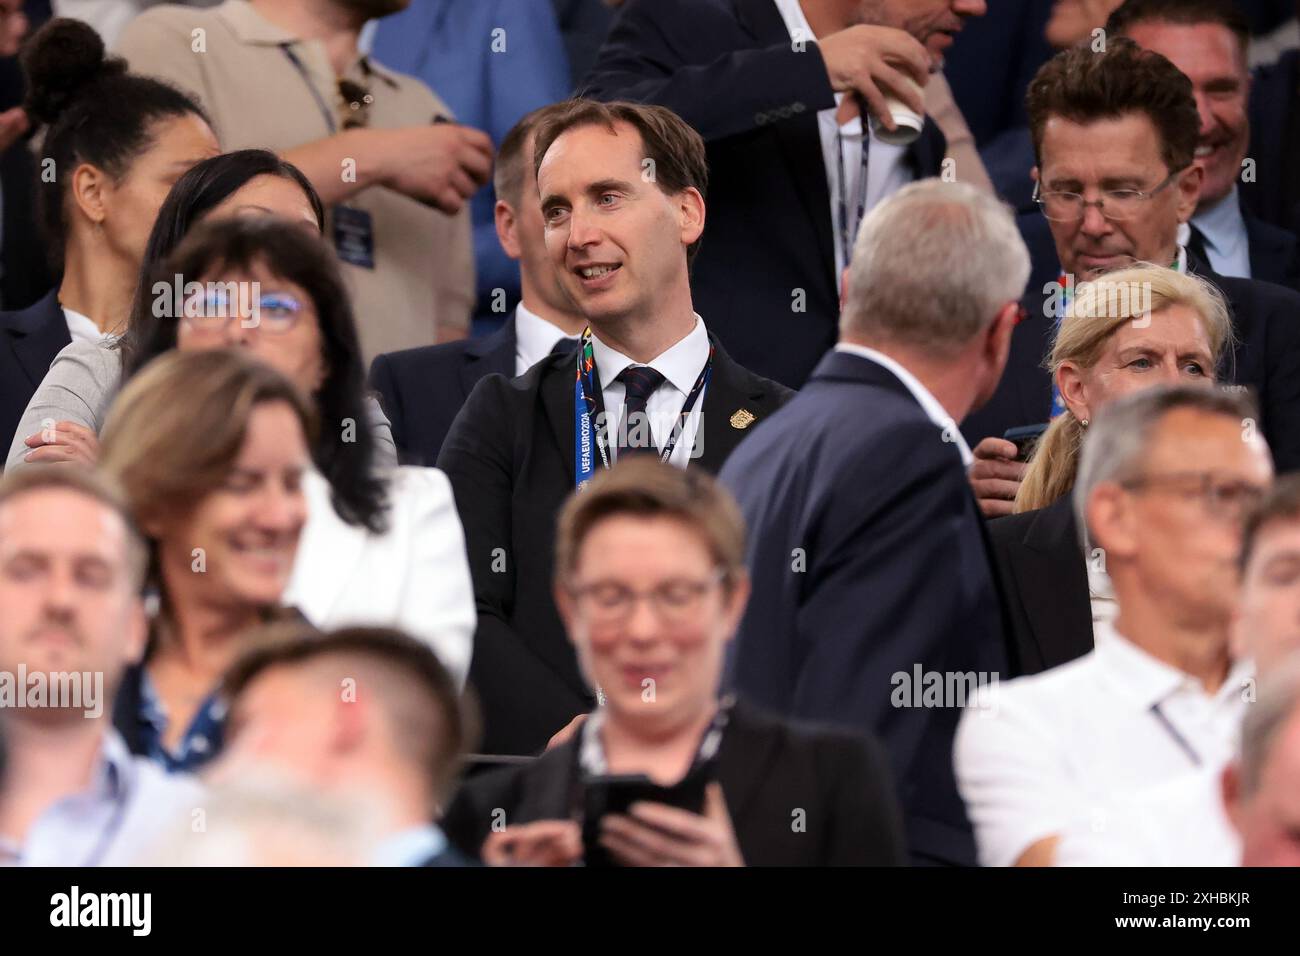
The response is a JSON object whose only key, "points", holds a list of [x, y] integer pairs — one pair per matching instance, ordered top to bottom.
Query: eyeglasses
{"points": [[357, 101], [1115, 204], [273, 312], [1223, 496], [675, 600]]}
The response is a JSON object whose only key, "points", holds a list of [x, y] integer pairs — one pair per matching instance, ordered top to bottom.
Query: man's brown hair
{"points": [[1223, 13], [1083, 87], [675, 149], [508, 173], [644, 487], [1281, 503], [433, 727]]}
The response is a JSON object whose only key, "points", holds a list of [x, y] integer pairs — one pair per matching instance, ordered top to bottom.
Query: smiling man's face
{"points": [[1212, 58], [616, 239]]}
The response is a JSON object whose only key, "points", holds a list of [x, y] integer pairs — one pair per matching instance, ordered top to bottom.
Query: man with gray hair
{"points": [[1165, 478], [867, 552]]}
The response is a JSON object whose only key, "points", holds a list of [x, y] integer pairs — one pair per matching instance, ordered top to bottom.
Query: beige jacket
{"points": [[421, 289]]}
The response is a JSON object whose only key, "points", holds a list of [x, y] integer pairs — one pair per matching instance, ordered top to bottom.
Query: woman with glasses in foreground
{"points": [[651, 586]]}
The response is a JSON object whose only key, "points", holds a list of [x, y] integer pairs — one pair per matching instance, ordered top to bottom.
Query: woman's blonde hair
{"points": [[1096, 310]]}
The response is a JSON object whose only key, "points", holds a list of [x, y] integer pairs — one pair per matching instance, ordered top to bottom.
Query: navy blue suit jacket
{"points": [[1272, 97], [765, 273], [29, 340], [1266, 356], [422, 389], [869, 561]]}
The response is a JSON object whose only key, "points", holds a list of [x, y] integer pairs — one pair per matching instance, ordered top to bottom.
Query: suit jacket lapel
{"points": [[1272, 251], [38, 333], [491, 354], [557, 397], [723, 422], [1053, 576]]}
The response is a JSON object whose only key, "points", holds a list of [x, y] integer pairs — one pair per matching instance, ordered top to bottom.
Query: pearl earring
{"points": [[1084, 423]]}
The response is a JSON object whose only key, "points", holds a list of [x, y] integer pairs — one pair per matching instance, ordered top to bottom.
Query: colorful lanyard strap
{"points": [[590, 438]]}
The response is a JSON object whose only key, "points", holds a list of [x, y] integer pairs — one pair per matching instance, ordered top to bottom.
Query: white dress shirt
{"points": [[886, 171], [1224, 230], [82, 328], [534, 338], [680, 366], [924, 397], [414, 576], [1061, 746], [116, 819], [1179, 822]]}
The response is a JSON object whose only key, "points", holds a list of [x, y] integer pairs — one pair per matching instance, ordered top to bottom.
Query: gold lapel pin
{"points": [[742, 418]]}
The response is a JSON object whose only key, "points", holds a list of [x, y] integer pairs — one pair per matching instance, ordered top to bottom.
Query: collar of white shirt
{"points": [[82, 328], [534, 338], [680, 364], [929, 404], [1147, 680]]}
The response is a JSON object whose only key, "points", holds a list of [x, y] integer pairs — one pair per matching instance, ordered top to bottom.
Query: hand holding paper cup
{"points": [[907, 121]]}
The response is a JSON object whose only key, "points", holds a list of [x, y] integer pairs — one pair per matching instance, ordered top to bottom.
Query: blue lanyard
{"points": [[589, 431]]}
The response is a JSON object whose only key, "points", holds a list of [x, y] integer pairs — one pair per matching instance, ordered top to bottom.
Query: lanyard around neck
{"points": [[590, 431]]}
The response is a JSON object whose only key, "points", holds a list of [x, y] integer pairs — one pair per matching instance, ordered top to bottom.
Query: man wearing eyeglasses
{"points": [[1115, 135], [1165, 479]]}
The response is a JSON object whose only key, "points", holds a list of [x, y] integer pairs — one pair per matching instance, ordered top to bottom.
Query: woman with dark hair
{"points": [[114, 144], [65, 414], [381, 547]]}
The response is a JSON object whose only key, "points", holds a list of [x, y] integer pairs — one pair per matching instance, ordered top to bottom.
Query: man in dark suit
{"points": [[1207, 40], [782, 117], [1120, 129], [1271, 191], [29, 340], [650, 374], [423, 389], [867, 553]]}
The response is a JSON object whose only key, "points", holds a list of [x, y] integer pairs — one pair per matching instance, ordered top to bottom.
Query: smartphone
{"points": [[1025, 438], [615, 793]]}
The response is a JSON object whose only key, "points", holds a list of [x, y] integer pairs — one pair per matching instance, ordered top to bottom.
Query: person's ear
{"points": [[1033, 175], [90, 189], [1189, 191], [690, 211], [507, 224], [844, 287], [997, 340], [1074, 391], [1111, 521], [737, 599], [564, 605], [137, 632], [349, 717]]}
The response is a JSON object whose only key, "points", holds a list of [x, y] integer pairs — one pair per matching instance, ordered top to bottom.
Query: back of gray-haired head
{"points": [[932, 266], [1115, 446], [1267, 718]]}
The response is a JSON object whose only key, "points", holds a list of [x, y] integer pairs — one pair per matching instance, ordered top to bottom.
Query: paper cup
{"points": [[908, 121]]}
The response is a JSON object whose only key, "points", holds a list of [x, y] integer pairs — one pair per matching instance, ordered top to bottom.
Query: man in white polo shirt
{"points": [[1164, 480]]}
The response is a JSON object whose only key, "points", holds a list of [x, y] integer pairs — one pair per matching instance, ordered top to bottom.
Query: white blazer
{"points": [[414, 576]]}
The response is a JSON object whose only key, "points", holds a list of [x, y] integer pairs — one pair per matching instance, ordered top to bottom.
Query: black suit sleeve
{"points": [[694, 59], [383, 380], [1280, 402], [866, 822]]}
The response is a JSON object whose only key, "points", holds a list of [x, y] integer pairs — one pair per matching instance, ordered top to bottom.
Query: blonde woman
{"points": [[1135, 328]]}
